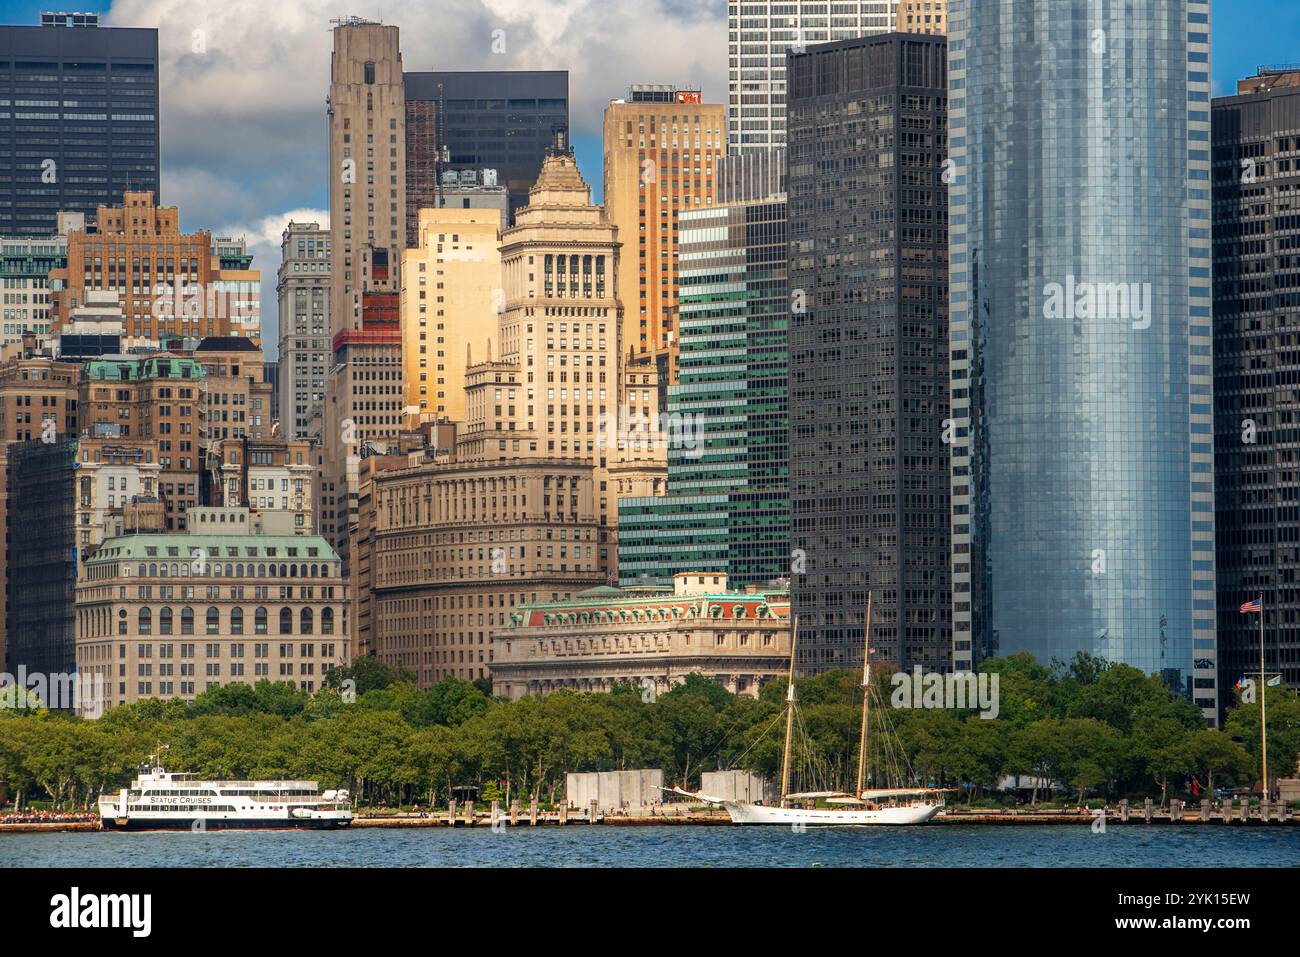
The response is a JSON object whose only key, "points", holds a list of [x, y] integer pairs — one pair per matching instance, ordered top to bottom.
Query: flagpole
{"points": [[1263, 701]]}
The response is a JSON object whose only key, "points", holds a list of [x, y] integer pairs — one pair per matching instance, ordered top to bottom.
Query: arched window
{"points": [[143, 570], [261, 571], [293, 571], [121, 621], [165, 621], [187, 621], [214, 621], [236, 621], [259, 621], [286, 621], [305, 621], [327, 621], [145, 626]]}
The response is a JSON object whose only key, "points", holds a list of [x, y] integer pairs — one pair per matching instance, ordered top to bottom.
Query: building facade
{"points": [[759, 33], [500, 120], [84, 129], [661, 146], [1256, 191], [172, 285], [303, 290], [451, 295], [1081, 336], [868, 350], [726, 509], [267, 607], [651, 638]]}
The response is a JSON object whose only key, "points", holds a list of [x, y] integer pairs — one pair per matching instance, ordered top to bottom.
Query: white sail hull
{"points": [[917, 813]]}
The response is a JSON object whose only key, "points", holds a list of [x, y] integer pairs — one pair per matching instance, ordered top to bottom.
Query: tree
{"points": [[367, 673]]}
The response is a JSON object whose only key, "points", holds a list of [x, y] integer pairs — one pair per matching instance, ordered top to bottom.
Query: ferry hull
{"points": [[830, 817], [217, 824]]}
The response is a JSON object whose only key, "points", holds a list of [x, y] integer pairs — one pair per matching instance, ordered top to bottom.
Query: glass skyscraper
{"points": [[78, 119], [1082, 419], [726, 509]]}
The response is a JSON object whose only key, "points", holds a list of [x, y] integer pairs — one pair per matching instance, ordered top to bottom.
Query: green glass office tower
{"points": [[726, 509]]}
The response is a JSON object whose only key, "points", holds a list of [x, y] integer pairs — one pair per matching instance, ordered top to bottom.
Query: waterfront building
{"points": [[760, 32], [474, 120], [83, 129], [661, 145], [1256, 157], [172, 285], [451, 295], [868, 356], [1082, 388], [726, 509], [266, 606], [649, 637]]}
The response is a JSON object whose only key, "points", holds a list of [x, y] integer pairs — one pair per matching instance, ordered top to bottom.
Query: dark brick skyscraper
{"points": [[868, 230]]}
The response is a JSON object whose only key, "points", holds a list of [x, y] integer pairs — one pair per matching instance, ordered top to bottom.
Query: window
{"points": [[165, 621], [187, 621], [213, 621], [237, 621], [259, 621], [286, 621], [327, 621], [305, 622], [145, 625]]}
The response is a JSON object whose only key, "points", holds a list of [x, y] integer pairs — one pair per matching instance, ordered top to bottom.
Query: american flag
{"points": [[1255, 604]]}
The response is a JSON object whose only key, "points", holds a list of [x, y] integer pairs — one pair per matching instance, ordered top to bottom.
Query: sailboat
{"points": [[864, 807]]}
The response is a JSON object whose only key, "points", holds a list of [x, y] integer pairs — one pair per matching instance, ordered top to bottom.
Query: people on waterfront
{"points": [[47, 817]]}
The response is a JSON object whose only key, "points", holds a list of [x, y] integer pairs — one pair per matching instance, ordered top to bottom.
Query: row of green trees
{"points": [[1095, 728]]}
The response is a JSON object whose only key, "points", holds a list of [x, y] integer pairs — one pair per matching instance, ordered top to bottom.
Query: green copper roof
{"points": [[131, 369], [181, 546]]}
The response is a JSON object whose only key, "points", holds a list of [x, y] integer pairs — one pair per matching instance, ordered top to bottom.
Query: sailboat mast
{"points": [[866, 697], [789, 711]]}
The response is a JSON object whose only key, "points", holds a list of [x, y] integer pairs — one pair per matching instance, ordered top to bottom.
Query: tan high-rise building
{"points": [[921, 16], [661, 145], [367, 168], [171, 284], [451, 293]]}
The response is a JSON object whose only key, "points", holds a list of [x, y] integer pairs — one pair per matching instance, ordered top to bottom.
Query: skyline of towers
{"points": [[1082, 388]]}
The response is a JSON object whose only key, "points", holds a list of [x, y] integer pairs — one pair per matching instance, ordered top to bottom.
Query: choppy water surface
{"points": [[675, 846]]}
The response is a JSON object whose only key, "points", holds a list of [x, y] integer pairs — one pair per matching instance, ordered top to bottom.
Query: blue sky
{"points": [[243, 124]]}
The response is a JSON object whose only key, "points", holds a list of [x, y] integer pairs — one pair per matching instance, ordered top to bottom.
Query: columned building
{"points": [[1082, 388], [651, 638]]}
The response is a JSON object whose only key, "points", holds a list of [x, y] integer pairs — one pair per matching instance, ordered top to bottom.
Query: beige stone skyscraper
{"points": [[921, 16], [661, 145], [367, 185], [451, 294]]}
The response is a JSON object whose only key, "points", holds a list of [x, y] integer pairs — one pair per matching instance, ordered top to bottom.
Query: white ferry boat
{"points": [[160, 800]]}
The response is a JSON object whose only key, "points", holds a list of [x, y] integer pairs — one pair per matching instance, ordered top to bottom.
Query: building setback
{"points": [[487, 119], [84, 126], [1256, 151], [868, 350], [1082, 387], [727, 507]]}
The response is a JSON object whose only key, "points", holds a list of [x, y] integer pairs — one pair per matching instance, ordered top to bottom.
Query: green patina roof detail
{"points": [[149, 367], [249, 548]]}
